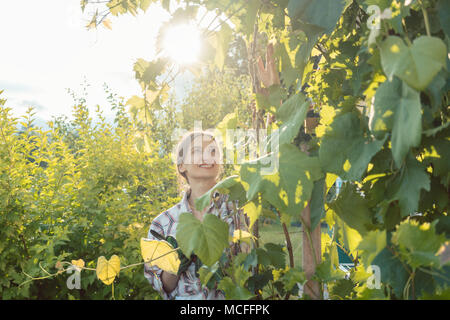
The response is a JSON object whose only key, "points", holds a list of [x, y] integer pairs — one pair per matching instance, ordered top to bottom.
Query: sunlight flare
{"points": [[182, 43]]}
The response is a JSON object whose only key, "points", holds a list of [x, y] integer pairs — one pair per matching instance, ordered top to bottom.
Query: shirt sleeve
{"points": [[153, 273]]}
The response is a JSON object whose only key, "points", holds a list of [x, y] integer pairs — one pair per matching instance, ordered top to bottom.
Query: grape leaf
{"points": [[321, 13], [416, 65], [397, 108], [293, 113], [344, 150], [230, 185], [406, 186], [290, 187], [352, 209], [207, 238], [419, 243], [371, 245], [153, 249], [107, 270], [392, 270], [232, 291]]}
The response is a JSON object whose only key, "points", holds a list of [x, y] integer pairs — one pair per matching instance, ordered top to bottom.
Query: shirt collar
{"points": [[185, 204]]}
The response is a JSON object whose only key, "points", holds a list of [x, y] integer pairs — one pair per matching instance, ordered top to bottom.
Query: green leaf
{"points": [[296, 8], [322, 13], [248, 19], [223, 38], [416, 65], [146, 72], [288, 73], [388, 98], [397, 108], [293, 113], [408, 124], [345, 150], [231, 185], [407, 185], [290, 187], [352, 208], [207, 238], [419, 243], [371, 245], [272, 254], [326, 271], [392, 271], [206, 273], [293, 276], [259, 281], [342, 289], [232, 291]]}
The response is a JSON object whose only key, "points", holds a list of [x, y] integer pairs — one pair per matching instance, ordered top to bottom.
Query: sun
{"points": [[182, 43]]}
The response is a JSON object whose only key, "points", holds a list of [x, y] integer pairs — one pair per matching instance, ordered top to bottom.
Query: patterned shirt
{"points": [[189, 286]]}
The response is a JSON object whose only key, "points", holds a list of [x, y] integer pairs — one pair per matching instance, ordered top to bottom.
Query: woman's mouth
{"points": [[206, 166]]}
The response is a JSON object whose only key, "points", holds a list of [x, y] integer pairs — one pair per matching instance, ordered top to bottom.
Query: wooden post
{"points": [[311, 248], [311, 255]]}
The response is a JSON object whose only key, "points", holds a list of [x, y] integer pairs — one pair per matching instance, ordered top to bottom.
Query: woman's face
{"points": [[202, 159]]}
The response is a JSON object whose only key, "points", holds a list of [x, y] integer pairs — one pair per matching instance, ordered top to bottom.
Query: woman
{"points": [[198, 163]]}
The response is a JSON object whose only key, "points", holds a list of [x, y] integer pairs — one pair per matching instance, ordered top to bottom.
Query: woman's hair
{"points": [[184, 146]]}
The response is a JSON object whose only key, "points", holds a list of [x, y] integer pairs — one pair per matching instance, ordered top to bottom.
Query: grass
{"points": [[274, 233]]}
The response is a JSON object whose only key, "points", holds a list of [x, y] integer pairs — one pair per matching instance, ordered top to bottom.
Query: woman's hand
{"points": [[169, 281]]}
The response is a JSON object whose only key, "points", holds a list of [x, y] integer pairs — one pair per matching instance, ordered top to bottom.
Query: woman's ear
{"points": [[181, 168]]}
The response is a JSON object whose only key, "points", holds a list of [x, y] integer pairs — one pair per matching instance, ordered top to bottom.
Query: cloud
{"points": [[46, 49], [14, 87], [32, 103]]}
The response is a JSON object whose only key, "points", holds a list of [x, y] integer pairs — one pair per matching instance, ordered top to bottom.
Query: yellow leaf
{"points": [[107, 24], [91, 25], [241, 235], [153, 249], [79, 264], [108, 270]]}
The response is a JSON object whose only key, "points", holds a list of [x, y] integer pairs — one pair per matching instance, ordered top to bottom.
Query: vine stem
{"points": [[426, 19], [289, 247], [49, 275]]}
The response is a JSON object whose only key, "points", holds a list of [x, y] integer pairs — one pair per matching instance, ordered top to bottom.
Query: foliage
{"points": [[380, 83], [382, 92], [213, 95], [77, 190]]}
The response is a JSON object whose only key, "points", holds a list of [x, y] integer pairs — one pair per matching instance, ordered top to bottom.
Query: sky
{"points": [[45, 49]]}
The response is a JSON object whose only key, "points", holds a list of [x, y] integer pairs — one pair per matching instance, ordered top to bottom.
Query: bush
{"points": [[77, 190]]}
